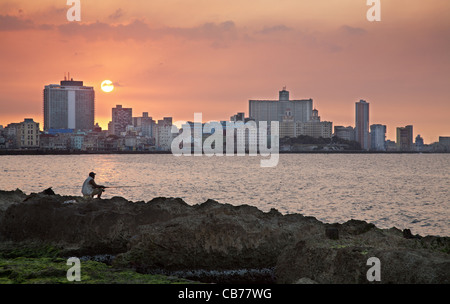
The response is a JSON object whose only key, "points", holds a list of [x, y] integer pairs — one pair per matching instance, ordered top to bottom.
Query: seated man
{"points": [[90, 188]]}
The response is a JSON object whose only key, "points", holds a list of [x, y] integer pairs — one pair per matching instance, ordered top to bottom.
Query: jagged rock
{"points": [[8, 198], [356, 227], [168, 234], [408, 235]]}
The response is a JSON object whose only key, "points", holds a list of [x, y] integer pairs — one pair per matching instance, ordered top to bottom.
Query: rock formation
{"points": [[166, 234]]}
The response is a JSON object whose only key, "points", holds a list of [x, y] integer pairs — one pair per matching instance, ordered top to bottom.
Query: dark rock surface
{"points": [[166, 234]]}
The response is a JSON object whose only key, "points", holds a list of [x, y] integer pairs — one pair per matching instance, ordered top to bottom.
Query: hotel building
{"points": [[69, 105], [275, 110]]}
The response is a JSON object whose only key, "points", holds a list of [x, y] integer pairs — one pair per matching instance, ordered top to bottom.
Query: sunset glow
{"points": [[175, 58], [107, 86]]}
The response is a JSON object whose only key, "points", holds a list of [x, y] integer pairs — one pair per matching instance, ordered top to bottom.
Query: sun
{"points": [[107, 86]]}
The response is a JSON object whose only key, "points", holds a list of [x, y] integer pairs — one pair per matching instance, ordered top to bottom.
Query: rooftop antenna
{"points": [[64, 76]]}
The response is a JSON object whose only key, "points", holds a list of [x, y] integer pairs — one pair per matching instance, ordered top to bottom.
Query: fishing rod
{"points": [[115, 187], [122, 187]]}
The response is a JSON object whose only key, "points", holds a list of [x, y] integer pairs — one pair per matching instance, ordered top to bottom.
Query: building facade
{"points": [[69, 105], [274, 110], [121, 118], [145, 125], [314, 127], [347, 133], [28, 134], [362, 134], [164, 135], [378, 137], [405, 138], [445, 141]]}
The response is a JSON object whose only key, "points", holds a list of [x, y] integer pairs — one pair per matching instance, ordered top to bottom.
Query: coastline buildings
{"points": [[69, 105], [275, 110], [69, 115], [240, 116], [295, 117], [121, 118], [362, 124], [145, 125], [314, 127], [317, 128], [347, 133], [28, 134], [22, 135], [10, 136], [164, 136], [378, 137], [405, 138], [445, 141], [419, 143], [391, 146]]}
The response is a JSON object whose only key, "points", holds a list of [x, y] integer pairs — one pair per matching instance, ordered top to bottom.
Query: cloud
{"points": [[119, 13], [13, 23], [46, 27], [274, 29], [353, 30], [92, 31], [140, 31], [117, 84]]}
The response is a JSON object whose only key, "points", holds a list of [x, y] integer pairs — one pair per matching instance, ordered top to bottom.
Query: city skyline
{"points": [[172, 59], [68, 86]]}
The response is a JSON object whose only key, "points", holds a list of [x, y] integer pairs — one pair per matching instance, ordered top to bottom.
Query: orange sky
{"points": [[174, 58]]}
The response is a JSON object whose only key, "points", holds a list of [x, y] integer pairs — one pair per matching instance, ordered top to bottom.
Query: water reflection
{"points": [[402, 190]]}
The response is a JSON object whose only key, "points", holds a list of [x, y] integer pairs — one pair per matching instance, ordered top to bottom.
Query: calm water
{"points": [[401, 190]]}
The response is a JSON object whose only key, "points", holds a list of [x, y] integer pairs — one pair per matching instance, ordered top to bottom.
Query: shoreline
{"points": [[72, 152]]}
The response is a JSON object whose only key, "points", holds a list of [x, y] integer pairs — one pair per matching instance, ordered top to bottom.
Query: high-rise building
{"points": [[69, 105], [275, 110], [121, 118], [362, 124], [378, 137], [405, 138]]}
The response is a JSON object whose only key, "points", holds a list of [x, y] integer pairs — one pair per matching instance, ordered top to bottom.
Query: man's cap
{"points": [[92, 173]]}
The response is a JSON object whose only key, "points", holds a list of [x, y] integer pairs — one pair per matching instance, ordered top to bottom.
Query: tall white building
{"points": [[69, 105], [275, 110]]}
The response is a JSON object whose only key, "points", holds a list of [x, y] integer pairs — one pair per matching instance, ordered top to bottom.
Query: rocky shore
{"points": [[214, 242]]}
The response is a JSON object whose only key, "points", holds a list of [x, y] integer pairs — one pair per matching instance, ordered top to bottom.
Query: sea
{"points": [[389, 190]]}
